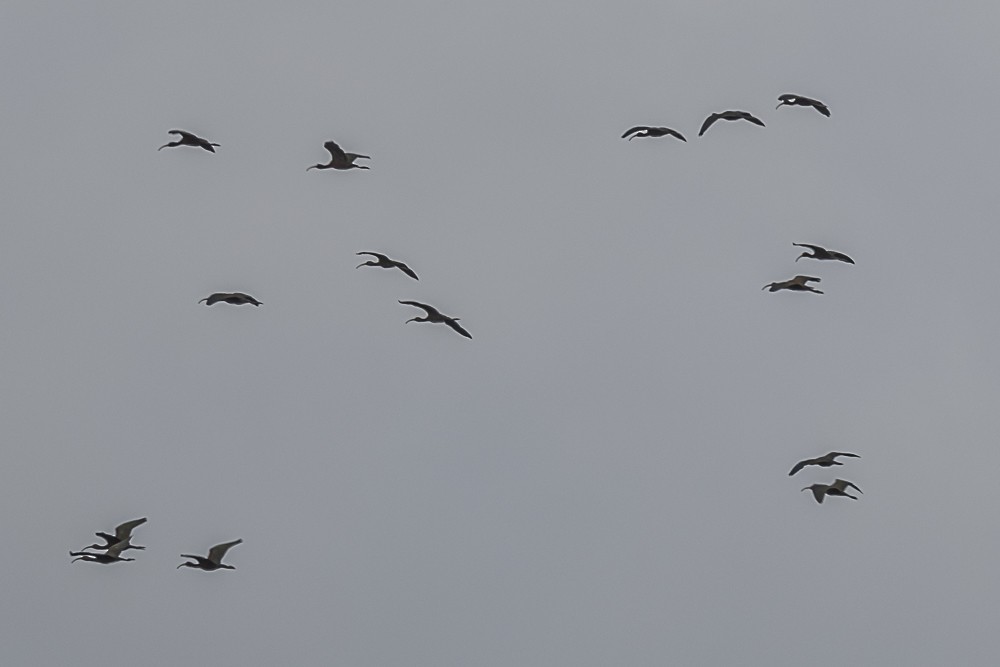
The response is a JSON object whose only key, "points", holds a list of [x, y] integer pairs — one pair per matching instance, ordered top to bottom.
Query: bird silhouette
{"points": [[800, 101], [729, 115], [645, 131], [188, 139], [339, 159], [822, 253], [384, 262], [796, 284], [235, 298], [434, 315], [824, 461], [838, 488], [123, 533], [112, 555], [214, 560]]}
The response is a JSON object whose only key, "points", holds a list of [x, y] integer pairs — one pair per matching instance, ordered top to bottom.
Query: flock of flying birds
{"points": [[121, 541]]}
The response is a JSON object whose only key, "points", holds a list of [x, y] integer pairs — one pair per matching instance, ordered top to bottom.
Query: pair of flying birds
{"points": [[786, 99], [339, 159], [801, 283], [839, 487], [121, 541]]}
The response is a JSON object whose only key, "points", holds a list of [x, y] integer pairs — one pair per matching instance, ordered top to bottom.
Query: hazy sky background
{"points": [[599, 477]]}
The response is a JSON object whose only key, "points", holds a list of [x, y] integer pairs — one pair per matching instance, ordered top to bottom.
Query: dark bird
{"points": [[799, 101], [729, 115], [644, 131], [188, 139], [339, 159], [822, 253], [384, 262], [796, 284], [235, 298], [434, 315], [824, 461], [838, 488], [123, 533], [112, 555], [214, 560]]}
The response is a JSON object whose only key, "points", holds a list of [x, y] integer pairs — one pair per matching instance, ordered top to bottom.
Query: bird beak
{"points": [[780, 105], [162, 147], [798, 258], [359, 265], [410, 320]]}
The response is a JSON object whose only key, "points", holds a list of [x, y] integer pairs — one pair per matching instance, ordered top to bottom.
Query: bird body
{"points": [[800, 101], [729, 115], [645, 131], [188, 139], [339, 159], [822, 253], [382, 261], [796, 284], [235, 298], [434, 315], [824, 461], [838, 488], [123, 533], [214, 560]]}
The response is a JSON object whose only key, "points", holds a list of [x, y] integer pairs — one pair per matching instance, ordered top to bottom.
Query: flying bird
{"points": [[799, 101], [729, 115], [644, 131], [188, 139], [339, 159], [822, 253], [384, 262], [796, 284], [235, 298], [434, 315], [824, 461], [838, 488], [123, 533], [112, 555], [214, 560]]}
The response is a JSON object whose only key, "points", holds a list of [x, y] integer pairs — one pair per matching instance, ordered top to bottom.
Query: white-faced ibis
{"points": [[800, 101], [729, 115], [645, 131], [188, 139], [339, 159], [822, 253], [384, 262], [796, 284], [235, 298], [434, 315], [824, 461], [838, 488], [123, 533], [112, 555], [214, 560]]}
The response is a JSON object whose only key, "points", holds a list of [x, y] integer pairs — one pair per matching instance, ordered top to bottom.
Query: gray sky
{"points": [[599, 477]]}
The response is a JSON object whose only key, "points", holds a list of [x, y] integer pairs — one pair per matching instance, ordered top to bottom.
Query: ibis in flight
{"points": [[800, 101], [729, 115], [644, 131], [188, 139], [339, 159], [822, 253], [384, 262], [796, 284], [235, 298], [434, 315], [824, 461], [838, 488], [123, 533], [112, 555], [214, 560]]}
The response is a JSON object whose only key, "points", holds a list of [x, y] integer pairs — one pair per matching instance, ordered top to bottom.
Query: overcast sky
{"points": [[598, 477]]}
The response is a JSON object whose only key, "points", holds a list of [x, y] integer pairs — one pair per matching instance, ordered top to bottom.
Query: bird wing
{"points": [[822, 108], [753, 119], [708, 123], [637, 128], [181, 133], [675, 133], [336, 151], [814, 248], [841, 256], [380, 257], [407, 270], [805, 279], [431, 310], [458, 327], [833, 455], [800, 465], [843, 484], [819, 492], [123, 531], [115, 550], [216, 553]]}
